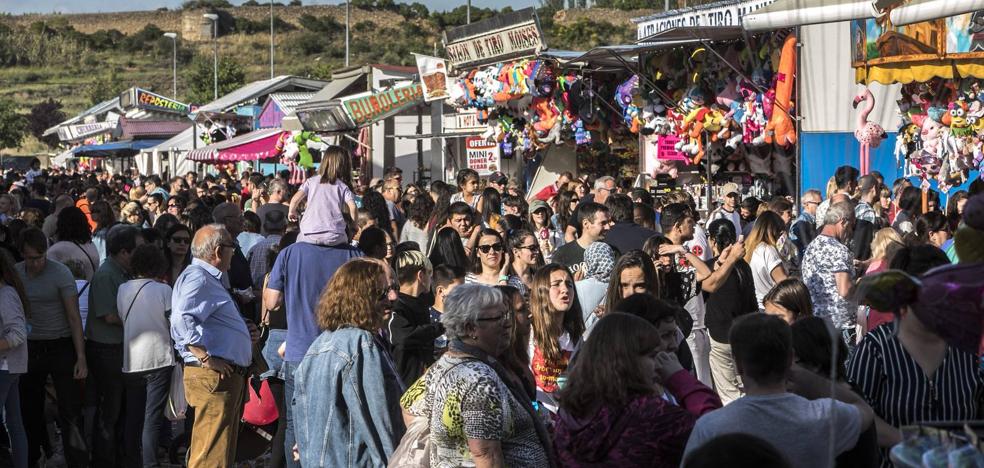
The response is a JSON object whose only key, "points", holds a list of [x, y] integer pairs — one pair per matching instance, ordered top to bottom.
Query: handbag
{"points": [[177, 405], [261, 409], [414, 448]]}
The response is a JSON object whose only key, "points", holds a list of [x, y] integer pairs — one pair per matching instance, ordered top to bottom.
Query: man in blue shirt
{"points": [[299, 275], [216, 345]]}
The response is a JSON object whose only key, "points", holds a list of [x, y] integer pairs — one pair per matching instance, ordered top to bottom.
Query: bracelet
{"points": [[504, 278], [205, 358]]}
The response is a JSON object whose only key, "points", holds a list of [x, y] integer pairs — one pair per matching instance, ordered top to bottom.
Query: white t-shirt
{"points": [[699, 247], [764, 259], [146, 329], [796, 427]]}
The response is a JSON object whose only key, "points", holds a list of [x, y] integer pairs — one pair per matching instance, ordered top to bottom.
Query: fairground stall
{"points": [[939, 61]]}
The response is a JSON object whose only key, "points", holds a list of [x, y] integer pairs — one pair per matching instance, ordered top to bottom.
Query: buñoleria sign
{"points": [[366, 108]]}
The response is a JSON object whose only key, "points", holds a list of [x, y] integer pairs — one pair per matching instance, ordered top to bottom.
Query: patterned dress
{"points": [[465, 399]]}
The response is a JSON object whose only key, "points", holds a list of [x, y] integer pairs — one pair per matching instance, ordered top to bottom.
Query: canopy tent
{"points": [[917, 11], [791, 13], [257, 89], [180, 142], [257, 145], [115, 149], [63, 159]]}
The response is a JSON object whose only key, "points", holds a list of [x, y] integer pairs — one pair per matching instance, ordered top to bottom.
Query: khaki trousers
{"points": [[727, 382], [218, 407]]}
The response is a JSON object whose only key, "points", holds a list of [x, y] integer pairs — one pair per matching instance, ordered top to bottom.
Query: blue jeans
{"points": [[146, 395], [10, 401], [289, 438]]}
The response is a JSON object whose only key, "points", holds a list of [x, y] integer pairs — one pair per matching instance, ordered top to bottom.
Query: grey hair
{"points": [[601, 181], [277, 185], [813, 193], [837, 213], [204, 248], [463, 306]]}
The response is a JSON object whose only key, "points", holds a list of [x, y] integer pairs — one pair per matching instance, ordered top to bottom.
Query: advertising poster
{"points": [[433, 76], [483, 156]]}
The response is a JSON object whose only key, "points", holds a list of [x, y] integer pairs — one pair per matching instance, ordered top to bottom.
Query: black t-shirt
{"points": [[571, 255], [734, 298]]}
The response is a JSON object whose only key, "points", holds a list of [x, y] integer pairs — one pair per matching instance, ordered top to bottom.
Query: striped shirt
{"points": [[898, 390]]}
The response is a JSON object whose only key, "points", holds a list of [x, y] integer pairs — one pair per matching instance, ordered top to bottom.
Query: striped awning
{"points": [[256, 145]]}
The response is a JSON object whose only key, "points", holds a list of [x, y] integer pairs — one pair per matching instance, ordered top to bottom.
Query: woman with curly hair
{"points": [[416, 228], [74, 242], [347, 392]]}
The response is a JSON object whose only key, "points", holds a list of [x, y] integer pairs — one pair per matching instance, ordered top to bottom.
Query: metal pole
{"points": [[468, 13], [347, 33], [271, 39], [215, 59], [174, 67]]}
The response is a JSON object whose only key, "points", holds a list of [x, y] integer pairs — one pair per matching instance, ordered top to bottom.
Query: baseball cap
{"points": [[498, 178], [728, 189], [538, 205]]}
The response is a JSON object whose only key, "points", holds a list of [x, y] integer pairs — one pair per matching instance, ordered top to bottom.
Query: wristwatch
{"points": [[205, 358]]}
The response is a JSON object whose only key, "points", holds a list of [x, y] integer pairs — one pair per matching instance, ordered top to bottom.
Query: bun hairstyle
{"points": [[722, 232], [969, 239], [947, 300]]}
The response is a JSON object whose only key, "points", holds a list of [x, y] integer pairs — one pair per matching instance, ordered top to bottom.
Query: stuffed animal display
{"points": [[715, 100], [869, 134], [942, 135]]}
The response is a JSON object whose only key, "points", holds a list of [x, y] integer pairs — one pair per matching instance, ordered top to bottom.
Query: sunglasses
{"points": [[575, 200], [486, 248], [531, 248]]}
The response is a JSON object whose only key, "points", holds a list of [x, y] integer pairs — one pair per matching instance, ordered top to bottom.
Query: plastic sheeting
{"points": [[917, 11], [791, 13], [828, 87]]}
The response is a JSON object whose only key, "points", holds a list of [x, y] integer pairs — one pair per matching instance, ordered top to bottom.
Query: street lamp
{"points": [[214, 18], [346, 33], [271, 39], [174, 62]]}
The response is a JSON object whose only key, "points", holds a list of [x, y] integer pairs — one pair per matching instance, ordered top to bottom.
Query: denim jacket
{"points": [[347, 401]]}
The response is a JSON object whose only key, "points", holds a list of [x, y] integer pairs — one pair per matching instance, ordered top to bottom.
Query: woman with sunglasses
{"points": [[565, 203], [177, 251], [526, 258], [489, 262], [557, 329]]}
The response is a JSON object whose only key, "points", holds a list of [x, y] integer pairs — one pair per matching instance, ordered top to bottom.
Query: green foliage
{"points": [[250, 3], [295, 3], [205, 4], [624, 4], [459, 16], [324, 25], [364, 27], [584, 34], [105, 39], [139, 41], [307, 43], [319, 71], [232, 76], [104, 87], [43, 116], [13, 126]]}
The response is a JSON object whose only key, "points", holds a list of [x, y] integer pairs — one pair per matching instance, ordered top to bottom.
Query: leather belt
{"points": [[238, 370]]}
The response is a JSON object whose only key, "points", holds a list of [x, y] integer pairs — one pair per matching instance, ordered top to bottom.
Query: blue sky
{"points": [[95, 6]]}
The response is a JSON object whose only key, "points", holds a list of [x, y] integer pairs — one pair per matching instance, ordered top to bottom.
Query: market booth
{"points": [[938, 63]]}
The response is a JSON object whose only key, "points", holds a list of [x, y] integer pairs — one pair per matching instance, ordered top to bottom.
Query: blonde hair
{"points": [[336, 165], [831, 186], [136, 193], [14, 203], [767, 229], [886, 241], [409, 263]]}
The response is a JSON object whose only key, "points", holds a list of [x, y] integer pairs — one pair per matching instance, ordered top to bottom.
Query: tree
{"points": [[231, 77], [104, 87], [44, 115], [13, 126]]}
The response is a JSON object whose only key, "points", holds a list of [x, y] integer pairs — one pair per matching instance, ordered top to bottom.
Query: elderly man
{"points": [[277, 201], [803, 230], [828, 270], [215, 344]]}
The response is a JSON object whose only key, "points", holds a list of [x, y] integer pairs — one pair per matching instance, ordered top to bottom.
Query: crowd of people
{"points": [[476, 323]]}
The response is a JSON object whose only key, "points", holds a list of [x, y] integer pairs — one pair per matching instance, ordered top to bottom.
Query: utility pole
{"points": [[468, 13], [347, 20], [271, 39], [215, 53], [174, 63]]}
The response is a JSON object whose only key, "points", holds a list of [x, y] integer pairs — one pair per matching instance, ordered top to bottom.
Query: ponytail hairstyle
{"points": [[722, 233]]}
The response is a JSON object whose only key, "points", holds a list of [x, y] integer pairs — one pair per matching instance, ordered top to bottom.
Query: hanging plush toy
{"points": [[625, 96], [752, 117], [780, 128], [868, 134]]}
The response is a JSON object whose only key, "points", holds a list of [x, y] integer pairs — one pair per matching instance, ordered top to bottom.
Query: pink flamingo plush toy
{"points": [[869, 134]]}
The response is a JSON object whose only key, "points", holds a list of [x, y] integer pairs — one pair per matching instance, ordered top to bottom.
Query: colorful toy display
{"points": [[869, 134], [941, 136]]}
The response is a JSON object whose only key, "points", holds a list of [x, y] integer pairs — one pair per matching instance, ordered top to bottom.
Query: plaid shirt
{"points": [[257, 257]]}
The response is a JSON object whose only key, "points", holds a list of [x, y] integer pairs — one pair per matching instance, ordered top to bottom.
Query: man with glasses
{"points": [[392, 191], [155, 207], [592, 224], [803, 230], [239, 277], [215, 344]]}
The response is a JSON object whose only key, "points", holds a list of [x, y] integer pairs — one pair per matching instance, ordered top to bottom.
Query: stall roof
{"points": [[916, 11], [791, 13], [685, 35], [597, 57], [258, 89], [334, 89], [287, 102], [105, 106], [152, 128], [182, 142], [252, 146], [116, 148]]}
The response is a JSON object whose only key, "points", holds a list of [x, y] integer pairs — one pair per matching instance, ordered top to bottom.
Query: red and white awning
{"points": [[252, 146]]}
